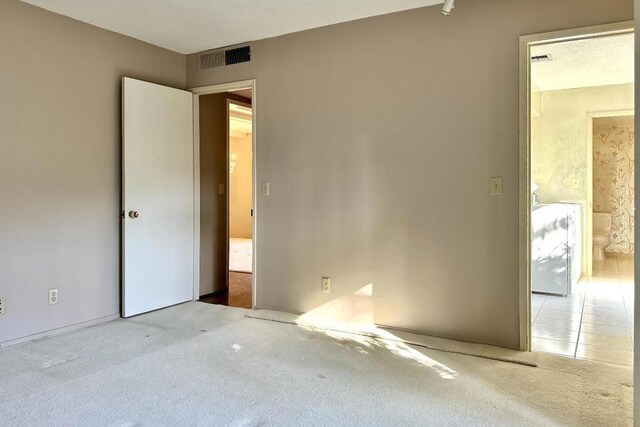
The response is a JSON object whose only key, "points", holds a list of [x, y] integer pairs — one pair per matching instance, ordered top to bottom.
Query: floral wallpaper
{"points": [[613, 188]]}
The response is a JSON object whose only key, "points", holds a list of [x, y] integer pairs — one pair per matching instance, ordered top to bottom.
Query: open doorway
{"points": [[226, 169], [580, 195], [240, 211]]}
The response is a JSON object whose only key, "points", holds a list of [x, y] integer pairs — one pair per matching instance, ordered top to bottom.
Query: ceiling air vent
{"points": [[223, 57], [541, 58], [212, 60]]}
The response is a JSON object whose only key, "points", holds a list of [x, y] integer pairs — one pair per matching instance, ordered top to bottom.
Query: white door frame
{"points": [[526, 42], [208, 90], [589, 216]]}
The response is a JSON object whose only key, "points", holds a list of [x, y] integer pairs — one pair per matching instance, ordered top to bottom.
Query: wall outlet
{"points": [[265, 188], [495, 188], [326, 285], [53, 296], [3, 307]]}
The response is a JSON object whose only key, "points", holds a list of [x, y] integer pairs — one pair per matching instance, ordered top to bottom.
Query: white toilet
{"points": [[601, 234]]}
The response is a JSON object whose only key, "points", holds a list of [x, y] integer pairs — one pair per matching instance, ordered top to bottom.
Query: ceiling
{"points": [[188, 26], [590, 62], [243, 92]]}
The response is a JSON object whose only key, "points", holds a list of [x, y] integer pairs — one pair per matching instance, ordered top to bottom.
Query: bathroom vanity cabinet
{"points": [[556, 247]]}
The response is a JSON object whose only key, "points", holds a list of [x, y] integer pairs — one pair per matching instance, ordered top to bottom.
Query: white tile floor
{"points": [[595, 322]]}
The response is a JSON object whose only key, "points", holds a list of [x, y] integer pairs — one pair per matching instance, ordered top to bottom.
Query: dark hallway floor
{"points": [[238, 295]]}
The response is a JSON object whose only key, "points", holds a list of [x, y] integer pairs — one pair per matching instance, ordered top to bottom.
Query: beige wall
{"points": [[379, 138], [559, 139], [60, 164], [240, 188], [213, 206], [353, 211]]}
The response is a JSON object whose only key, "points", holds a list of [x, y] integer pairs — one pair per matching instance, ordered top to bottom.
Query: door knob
{"points": [[133, 214]]}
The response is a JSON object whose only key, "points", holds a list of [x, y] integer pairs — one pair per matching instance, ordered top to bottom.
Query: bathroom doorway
{"points": [[610, 161], [579, 194], [612, 198]]}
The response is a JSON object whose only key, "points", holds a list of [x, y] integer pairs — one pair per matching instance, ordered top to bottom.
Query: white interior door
{"points": [[158, 186]]}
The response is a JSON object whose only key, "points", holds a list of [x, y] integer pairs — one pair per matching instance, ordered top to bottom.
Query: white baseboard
{"points": [[58, 331]]}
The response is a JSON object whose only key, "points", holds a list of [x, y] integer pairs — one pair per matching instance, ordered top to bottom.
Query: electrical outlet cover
{"points": [[495, 186], [326, 285], [53, 296]]}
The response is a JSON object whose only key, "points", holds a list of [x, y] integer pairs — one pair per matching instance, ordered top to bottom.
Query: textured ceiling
{"points": [[189, 26], [590, 62]]}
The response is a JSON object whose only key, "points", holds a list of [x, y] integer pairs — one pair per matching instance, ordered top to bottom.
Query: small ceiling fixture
{"points": [[447, 6]]}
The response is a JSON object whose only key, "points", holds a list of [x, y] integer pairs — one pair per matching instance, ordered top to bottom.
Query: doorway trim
{"points": [[208, 90], [524, 212]]}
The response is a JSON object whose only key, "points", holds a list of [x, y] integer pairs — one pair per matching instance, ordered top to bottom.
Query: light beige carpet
{"points": [[202, 364]]}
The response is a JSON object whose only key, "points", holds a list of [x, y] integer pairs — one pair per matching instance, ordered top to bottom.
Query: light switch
{"points": [[495, 186], [265, 188], [221, 189]]}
